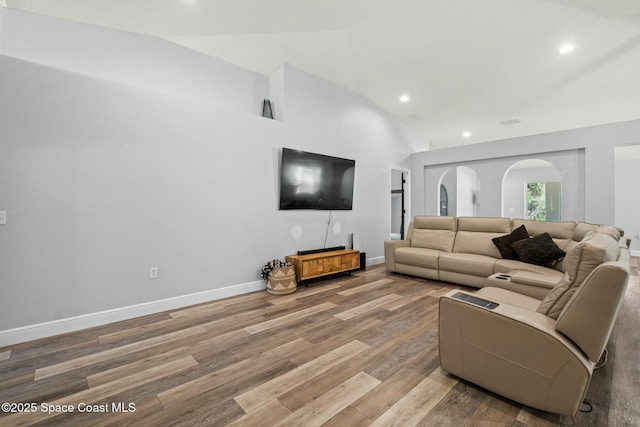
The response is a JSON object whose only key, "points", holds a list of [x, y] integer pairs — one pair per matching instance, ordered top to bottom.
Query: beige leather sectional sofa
{"points": [[461, 250], [534, 332]]}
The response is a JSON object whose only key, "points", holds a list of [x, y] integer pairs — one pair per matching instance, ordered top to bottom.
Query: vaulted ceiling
{"points": [[490, 68]]}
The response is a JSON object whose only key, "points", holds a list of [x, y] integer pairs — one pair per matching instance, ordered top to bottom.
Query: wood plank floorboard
{"points": [[352, 351]]}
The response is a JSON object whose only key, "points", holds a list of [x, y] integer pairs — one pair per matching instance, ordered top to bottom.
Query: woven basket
{"points": [[282, 281]]}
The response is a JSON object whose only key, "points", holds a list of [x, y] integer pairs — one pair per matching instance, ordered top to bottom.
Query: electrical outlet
{"points": [[153, 273]]}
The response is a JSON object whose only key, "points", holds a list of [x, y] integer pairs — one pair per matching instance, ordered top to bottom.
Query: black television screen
{"points": [[315, 181]]}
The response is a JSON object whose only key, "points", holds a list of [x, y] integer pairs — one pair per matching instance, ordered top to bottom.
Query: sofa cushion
{"points": [[435, 222], [484, 224], [582, 228], [557, 229], [611, 231], [433, 232], [475, 233], [441, 240], [471, 242], [503, 243], [567, 248], [540, 249], [592, 251], [420, 257], [472, 264], [509, 265], [557, 298]]}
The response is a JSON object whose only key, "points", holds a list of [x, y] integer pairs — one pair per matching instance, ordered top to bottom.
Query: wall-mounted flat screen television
{"points": [[315, 181]]}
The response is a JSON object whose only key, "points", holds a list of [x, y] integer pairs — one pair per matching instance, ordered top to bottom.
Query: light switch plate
{"points": [[3, 217]]}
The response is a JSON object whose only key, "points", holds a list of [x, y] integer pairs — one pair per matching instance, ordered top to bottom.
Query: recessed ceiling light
{"points": [[566, 48], [404, 98], [466, 134]]}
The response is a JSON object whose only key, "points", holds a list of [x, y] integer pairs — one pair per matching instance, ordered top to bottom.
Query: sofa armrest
{"points": [[390, 247], [533, 279], [589, 316], [514, 352]]}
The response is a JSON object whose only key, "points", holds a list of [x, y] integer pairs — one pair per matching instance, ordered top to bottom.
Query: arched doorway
{"points": [[447, 189], [532, 189], [468, 191], [458, 192], [444, 201]]}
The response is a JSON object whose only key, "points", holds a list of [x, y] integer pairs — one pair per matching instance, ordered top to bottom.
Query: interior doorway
{"points": [[532, 189], [468, 191], [458, 192], [447, 193], [444, 201], [399, 203]]}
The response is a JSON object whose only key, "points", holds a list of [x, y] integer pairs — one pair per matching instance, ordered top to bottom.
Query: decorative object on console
{"points": [[267, 111], [356, 241], [317, 251], [363, 261], [280, 277]]}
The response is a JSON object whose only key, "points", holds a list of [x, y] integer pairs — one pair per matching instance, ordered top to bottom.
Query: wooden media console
{"points": [[321, 264]]}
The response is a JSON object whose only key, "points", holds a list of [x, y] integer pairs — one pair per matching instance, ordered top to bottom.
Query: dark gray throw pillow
{"points": [[504, 243], [540, 249]]}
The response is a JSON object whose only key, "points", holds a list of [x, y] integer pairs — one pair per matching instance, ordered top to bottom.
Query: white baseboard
{"points": [[634, 253], [375, 261], [71, 324], [56, 327]]}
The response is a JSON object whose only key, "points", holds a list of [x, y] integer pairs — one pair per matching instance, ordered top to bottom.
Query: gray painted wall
{"points": [[132, 59], [589, 162], [106, 171], [491, 173], [103, 177], [627, 204]]}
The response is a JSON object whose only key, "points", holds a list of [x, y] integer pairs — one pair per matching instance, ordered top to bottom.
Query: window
{"points": [[543, 201]]}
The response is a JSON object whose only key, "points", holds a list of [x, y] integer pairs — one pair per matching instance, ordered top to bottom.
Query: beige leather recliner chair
{"points": [[539, 353]]}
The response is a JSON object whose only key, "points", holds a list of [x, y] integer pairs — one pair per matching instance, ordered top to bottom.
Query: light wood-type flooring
{"points": [[351, 351]]}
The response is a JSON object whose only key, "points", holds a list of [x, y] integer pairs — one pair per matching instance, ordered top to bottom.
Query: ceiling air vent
{"points": [[510, 122]]}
